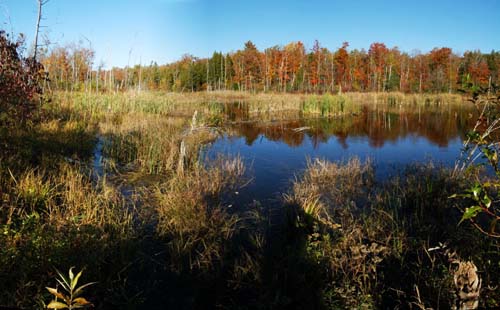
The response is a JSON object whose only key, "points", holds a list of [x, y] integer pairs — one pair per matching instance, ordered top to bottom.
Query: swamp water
{"points": [[392, 137]]}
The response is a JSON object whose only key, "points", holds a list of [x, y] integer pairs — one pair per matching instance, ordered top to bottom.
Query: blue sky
{"points": [[164, 30]]}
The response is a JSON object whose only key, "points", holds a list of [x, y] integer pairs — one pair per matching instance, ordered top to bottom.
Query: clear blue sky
{"points": [[164, 30]]}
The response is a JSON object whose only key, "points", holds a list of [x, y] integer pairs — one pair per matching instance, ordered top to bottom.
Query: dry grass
{"points": [[398, 98], [90, 106], [336, 184], [328, 195], [66, 198], [193, 219], [367, 235]]}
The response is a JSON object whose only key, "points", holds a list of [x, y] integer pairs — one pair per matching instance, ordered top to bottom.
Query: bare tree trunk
{"points": [[37, 30], [221, 69], [225, 72], [140, 74], [390, 74], [401, 76], [266, 80], [208, 82], [332, 85], [489, 86]]}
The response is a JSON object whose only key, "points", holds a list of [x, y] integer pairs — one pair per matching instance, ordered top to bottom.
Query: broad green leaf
{"points": [[476, 190], [487, 201], [470, 213], [57, 305]]}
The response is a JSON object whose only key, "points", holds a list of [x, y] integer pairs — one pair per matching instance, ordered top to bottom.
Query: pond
{"points": [[392, 137]]}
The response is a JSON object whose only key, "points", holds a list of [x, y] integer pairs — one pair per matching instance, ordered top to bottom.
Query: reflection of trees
{"points": [[237, 111], [379, 125], [250, 132], [342, 139]]}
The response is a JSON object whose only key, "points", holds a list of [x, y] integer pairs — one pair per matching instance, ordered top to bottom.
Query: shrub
{"points": [[20, 82]]}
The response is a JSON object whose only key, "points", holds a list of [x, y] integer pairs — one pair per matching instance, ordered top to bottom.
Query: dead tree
{"points": [[41, 3]]}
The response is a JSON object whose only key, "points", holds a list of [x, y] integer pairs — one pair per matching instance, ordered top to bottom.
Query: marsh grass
{"points": [[403, 99], [328, 105], [216, 106], [152, 143], [331, 197], [53, 212], [193, 218], [56, 219], [154, 235], [373, 238]]}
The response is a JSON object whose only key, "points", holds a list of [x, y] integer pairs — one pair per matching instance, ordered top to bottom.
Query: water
{"points": [[392, 137]]}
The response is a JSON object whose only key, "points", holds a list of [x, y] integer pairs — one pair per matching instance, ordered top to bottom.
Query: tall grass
{"points": [[91, 106], [56, 219], [194, 219], [373, 239]]}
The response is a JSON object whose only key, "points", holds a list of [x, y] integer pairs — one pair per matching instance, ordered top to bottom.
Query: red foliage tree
{"points": [[378, 54], [341, 62], [20, 82]]}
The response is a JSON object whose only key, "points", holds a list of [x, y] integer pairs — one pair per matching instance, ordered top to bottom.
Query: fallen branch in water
{"points": [[300, 129]]}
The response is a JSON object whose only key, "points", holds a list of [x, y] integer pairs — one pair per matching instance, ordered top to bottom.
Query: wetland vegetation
{"points": [[131, 188], [251, 198]]}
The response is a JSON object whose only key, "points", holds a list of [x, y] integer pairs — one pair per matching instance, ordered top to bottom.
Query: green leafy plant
{"points": [[482, 142], [71, 298]]}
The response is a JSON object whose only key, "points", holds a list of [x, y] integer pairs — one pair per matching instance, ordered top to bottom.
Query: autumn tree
{"points": [[378, 59], [493, 60], [251, 61], [341, 62], [295, 64], [359, 64], [280, 68], [439, 69], [476, 69], [315, 70], [20, 83]]}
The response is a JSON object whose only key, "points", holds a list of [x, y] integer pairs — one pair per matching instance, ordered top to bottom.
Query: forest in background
{"points": [[289, 68]]}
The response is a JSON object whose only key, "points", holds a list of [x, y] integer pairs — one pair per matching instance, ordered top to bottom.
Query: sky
{"points": [[128, 32]]}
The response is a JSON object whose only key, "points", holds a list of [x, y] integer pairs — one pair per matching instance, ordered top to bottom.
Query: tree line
{"points": [[289, 68]]}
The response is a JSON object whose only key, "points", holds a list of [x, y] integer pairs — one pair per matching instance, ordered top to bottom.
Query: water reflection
{"points": [[378, 125], [392, 136]]}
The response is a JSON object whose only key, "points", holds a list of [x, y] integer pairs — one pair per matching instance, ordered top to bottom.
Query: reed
{"points": [[193, 217], [366, 234]]}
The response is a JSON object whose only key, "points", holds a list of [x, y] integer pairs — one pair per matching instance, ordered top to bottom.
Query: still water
{"points": [[275, 152]]}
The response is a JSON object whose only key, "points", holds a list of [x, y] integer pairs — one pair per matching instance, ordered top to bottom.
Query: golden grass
{"points": [[91, 106], [337, 184], [327, 195], [66, 198], [192, 218]]}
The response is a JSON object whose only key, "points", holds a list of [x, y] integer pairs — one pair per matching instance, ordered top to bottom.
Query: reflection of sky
{"points": [[273, 164]]}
